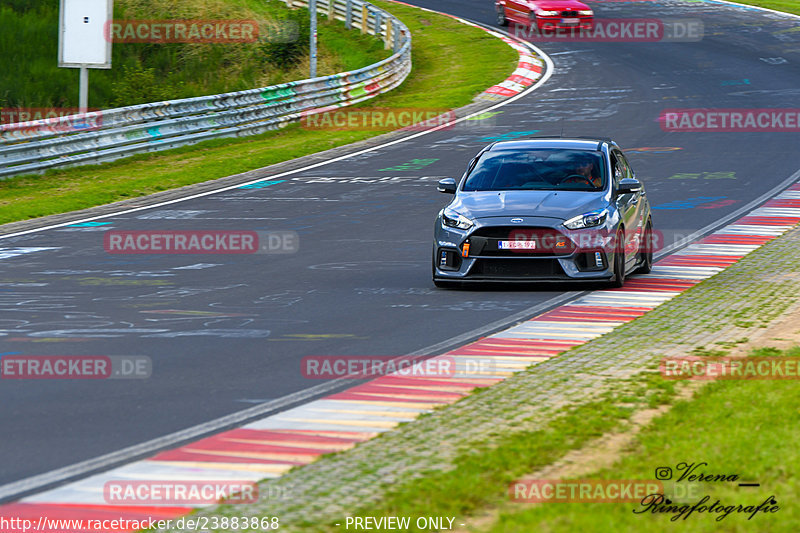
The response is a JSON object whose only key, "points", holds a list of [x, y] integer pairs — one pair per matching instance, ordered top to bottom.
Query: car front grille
{"points": [[569, 13], [549, 242], [517, 268]]}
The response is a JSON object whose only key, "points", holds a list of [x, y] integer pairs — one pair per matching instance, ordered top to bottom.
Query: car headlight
{"points": [[586, 12], [547, 13], [456, 220], [587, 220]]}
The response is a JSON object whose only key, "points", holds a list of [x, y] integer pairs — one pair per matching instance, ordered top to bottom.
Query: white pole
{"points": [[312, 8], [83, 98]]}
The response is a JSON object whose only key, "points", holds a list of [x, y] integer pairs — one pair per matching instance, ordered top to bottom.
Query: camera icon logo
{"points": [[663, 473]]}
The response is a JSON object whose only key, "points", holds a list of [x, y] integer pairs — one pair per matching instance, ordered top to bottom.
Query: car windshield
{"points": [[538, 169]]}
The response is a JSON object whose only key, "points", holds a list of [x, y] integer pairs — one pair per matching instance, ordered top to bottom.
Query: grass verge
{"points": [[787, 6], [436, 41], [721, 426], [746, 428], [480, 476]]}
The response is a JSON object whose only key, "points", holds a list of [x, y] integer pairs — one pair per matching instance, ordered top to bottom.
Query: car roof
{"points": [[551, 142]]}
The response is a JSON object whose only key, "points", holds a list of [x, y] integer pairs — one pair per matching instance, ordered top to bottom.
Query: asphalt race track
{"points": [[227, 332]]}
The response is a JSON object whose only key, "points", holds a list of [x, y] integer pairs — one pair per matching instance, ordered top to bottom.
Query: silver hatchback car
{"points": [[544, 209]]}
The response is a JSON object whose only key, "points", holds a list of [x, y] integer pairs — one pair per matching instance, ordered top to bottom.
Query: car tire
{"points": [[501, 16], [646, 256], [619, 261]]}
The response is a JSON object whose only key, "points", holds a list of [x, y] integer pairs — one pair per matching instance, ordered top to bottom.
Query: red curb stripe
{"points": [[530, 66], [522, 80], [502, 91], [783, 202], [758, 220], [737, 239], [699, 261], [423, 381], [371, 387], [383, 398], [280, 435], [359, 436], [217, 444], [184, 455]]}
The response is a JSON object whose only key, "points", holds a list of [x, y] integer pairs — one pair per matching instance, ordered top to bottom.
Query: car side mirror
{"points": [[447, 185], [629, 186]]}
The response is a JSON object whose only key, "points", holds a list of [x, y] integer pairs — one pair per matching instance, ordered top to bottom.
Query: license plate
{"points": [[570, 21], [516, 245]]}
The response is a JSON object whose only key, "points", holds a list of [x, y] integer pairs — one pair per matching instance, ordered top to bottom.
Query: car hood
{"points": [[550, 204]]}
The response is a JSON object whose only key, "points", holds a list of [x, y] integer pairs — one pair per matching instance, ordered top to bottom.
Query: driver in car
{"points": [[585, 167]]}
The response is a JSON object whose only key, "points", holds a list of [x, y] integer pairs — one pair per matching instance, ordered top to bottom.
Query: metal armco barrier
{"points": [[111, 134]]}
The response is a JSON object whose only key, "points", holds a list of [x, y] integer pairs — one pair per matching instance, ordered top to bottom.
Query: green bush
{"points": [[288, 39]]}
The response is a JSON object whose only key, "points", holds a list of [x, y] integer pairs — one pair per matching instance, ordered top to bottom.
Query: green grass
{"points": [[788, 6], [483, 61], [146, 72], [747, 428], [481, 475]]}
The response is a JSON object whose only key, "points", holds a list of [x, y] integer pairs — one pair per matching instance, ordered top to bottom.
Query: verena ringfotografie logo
{"points": [[643, 30], [181, 31], [410, 119], [730, 120], [200, 242], [75, 367], [705, 368], [583, 490], [179, 492]]}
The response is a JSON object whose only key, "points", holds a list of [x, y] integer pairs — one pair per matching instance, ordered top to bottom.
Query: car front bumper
{"points": [[559, 254]]}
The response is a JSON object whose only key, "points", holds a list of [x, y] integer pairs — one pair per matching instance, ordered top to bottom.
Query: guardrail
{"points": [[111, 134]]}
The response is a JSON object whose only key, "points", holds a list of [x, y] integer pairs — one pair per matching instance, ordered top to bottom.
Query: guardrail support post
{"points": [[312, 9], [331, 10], [348, 14], [364, 19], [378, 23], [388, 38], [396, 44]]}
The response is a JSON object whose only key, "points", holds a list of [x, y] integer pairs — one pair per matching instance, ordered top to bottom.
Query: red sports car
{"points": [[546, 14]]}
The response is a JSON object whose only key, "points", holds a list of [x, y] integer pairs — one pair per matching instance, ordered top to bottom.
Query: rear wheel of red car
{"points": [[501, 16]]}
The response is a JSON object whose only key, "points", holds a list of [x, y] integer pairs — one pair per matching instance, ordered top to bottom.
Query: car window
{"points": [[619, 167], [537, 169], [628, 169]]}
